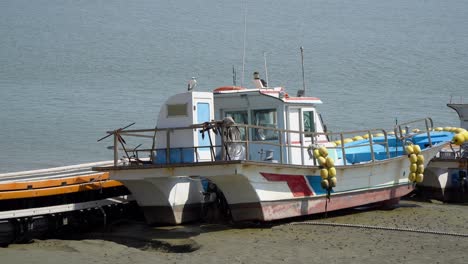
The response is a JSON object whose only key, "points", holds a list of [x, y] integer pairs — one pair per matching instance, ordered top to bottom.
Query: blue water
{"points": [[70, 70]]}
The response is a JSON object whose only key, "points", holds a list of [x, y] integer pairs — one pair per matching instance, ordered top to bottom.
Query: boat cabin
{"points": [[271, 126]]}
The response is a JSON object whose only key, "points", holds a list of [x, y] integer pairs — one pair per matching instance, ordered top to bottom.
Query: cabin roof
{"points": [[276, 92]]}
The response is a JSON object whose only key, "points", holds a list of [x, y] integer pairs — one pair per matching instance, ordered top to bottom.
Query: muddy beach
{"points": [[278, 242]]}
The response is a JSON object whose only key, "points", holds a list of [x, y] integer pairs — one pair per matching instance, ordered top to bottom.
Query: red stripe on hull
{"points": [[296, 183], [268, 211]]}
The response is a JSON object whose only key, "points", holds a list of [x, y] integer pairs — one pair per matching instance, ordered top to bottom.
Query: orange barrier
{"points": [[28, 185], [81, 187]]}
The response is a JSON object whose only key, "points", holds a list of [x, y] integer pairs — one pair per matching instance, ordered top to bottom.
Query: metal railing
{"points": [[286, 141]]}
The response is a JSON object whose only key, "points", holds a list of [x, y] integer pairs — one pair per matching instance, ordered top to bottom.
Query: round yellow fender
{"points": [[439, 129], [416, 130], [459, 130], [465, 135], [356, 138], [458, 139], [347, 140], [337, 142], [409, 149], [416, 149], [323, 151], [316, 153], [413, 158], [420, 159], [322, 161], [330, 162], [413, 167], [420, 169], [332, 172], [324, 173], [412, 177], [419, 178], [333, 182], [325, 184]]}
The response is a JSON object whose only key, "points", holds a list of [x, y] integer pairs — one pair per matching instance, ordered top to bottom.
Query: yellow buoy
{"points": [[447, 128], [439, 129], [416, 130], [459, 130], [391, 133], [379, 135], [465, 135], [365, 136], [356, 138], [458, 139], [347, 140], [337, 142], [409, 149], [416, 149], [323, 152], [316, 153], [413, 158], [420, 159], [322, 161], [330, 162], [413, 167], [420, 169], [332, 172], [324, 173], [412, 177], [419, 178], [333, 182], [325, 184]]}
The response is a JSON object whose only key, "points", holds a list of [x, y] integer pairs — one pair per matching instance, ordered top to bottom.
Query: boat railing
{"points": [[457, 99], [403, 133], [361, 138], [290, 146]]}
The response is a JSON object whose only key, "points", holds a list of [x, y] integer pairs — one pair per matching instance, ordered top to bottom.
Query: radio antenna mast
{"points": [[245, 37], [266, 68], [302, 93]]}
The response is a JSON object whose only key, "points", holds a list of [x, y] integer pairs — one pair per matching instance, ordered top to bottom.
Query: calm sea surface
{"points": [[70, 70]]}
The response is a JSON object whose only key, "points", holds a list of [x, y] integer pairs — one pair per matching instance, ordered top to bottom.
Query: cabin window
{"points": [[174, 110], [240, 117], [266, 118], [309, 124]]}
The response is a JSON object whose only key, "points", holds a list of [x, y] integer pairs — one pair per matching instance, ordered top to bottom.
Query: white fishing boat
{"points": [[268, 156], [447, 173]]}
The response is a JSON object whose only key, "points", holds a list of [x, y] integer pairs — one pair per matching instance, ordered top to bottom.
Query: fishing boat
{"points": [[261, 154], [446, 177]]}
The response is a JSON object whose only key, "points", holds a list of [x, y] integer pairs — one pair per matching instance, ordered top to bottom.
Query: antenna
{"points": [[245, 36], [266, 68], [234, 76], [303, 78]]}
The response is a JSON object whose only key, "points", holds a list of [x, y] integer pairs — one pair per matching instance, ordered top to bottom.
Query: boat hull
{"points": [[173, 194]]}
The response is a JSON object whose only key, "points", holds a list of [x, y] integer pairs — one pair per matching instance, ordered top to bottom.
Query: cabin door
{"points": [[204, 115], [295, 138]]}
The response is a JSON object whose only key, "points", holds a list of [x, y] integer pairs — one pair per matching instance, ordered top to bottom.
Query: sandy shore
{"points": [[279, 242]]}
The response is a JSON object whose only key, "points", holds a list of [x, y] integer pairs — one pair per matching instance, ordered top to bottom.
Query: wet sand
{"points": [[278, 242]]}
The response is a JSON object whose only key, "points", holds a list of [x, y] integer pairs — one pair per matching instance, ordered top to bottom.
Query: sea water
{"points": [[71, 70]]}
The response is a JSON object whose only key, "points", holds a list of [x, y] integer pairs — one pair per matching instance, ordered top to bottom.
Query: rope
{"points": [[381, 228]]}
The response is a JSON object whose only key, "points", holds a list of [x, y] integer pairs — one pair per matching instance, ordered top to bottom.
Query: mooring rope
{"points": [[381, 228]]}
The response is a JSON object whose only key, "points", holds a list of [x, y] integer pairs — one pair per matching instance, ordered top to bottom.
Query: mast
{"points": [[245, 37], [266, 68], [303, 76], [302, 92]]}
